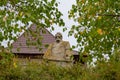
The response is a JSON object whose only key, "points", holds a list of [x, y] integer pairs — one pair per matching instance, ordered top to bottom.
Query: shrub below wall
{"points": [[11, 70]]}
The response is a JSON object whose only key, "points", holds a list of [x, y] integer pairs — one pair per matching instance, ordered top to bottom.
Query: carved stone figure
{"points": [[59, 50]]}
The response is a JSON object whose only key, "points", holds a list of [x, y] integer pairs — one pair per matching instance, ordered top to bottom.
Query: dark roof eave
{"points": [[29, 53]]}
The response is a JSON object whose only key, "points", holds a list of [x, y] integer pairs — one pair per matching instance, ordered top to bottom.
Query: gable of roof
{"points": [[20, 46]]}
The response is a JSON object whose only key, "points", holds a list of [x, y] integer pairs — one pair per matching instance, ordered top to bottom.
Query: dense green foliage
{"points": [[15, 16], [98, 26], [5, 58], [33, 71]]}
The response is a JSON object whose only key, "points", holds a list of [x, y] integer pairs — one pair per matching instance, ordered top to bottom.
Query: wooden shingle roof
{"points": [[20, 46]]}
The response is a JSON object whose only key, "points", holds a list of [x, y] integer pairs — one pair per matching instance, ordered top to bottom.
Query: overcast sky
{"points": [[64, 6]]}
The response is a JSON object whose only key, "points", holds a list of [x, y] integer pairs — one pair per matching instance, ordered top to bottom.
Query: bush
{"points": [[103, 70]]}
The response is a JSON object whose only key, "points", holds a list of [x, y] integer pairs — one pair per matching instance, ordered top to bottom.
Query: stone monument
{"points": [[59, 51]]}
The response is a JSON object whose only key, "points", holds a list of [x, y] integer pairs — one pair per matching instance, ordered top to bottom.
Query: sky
{"points": [[64, 7]]}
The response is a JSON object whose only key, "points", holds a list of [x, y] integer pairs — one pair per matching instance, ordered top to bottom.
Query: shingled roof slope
{"points": [[20, 46]]}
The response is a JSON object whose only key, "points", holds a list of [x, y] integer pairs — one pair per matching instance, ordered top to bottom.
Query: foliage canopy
{"points": [[15, 16], [98, 28]]}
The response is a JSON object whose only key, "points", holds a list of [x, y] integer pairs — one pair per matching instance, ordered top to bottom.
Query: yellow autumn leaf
{"points": [[21, 13], [99, 17], [4, 18], [118, 29], [100, 31], [81, 32], [14, 64]]}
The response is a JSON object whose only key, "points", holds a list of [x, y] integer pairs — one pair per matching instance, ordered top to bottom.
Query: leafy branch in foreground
{"points": [[15, 16], [98, 28]]}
